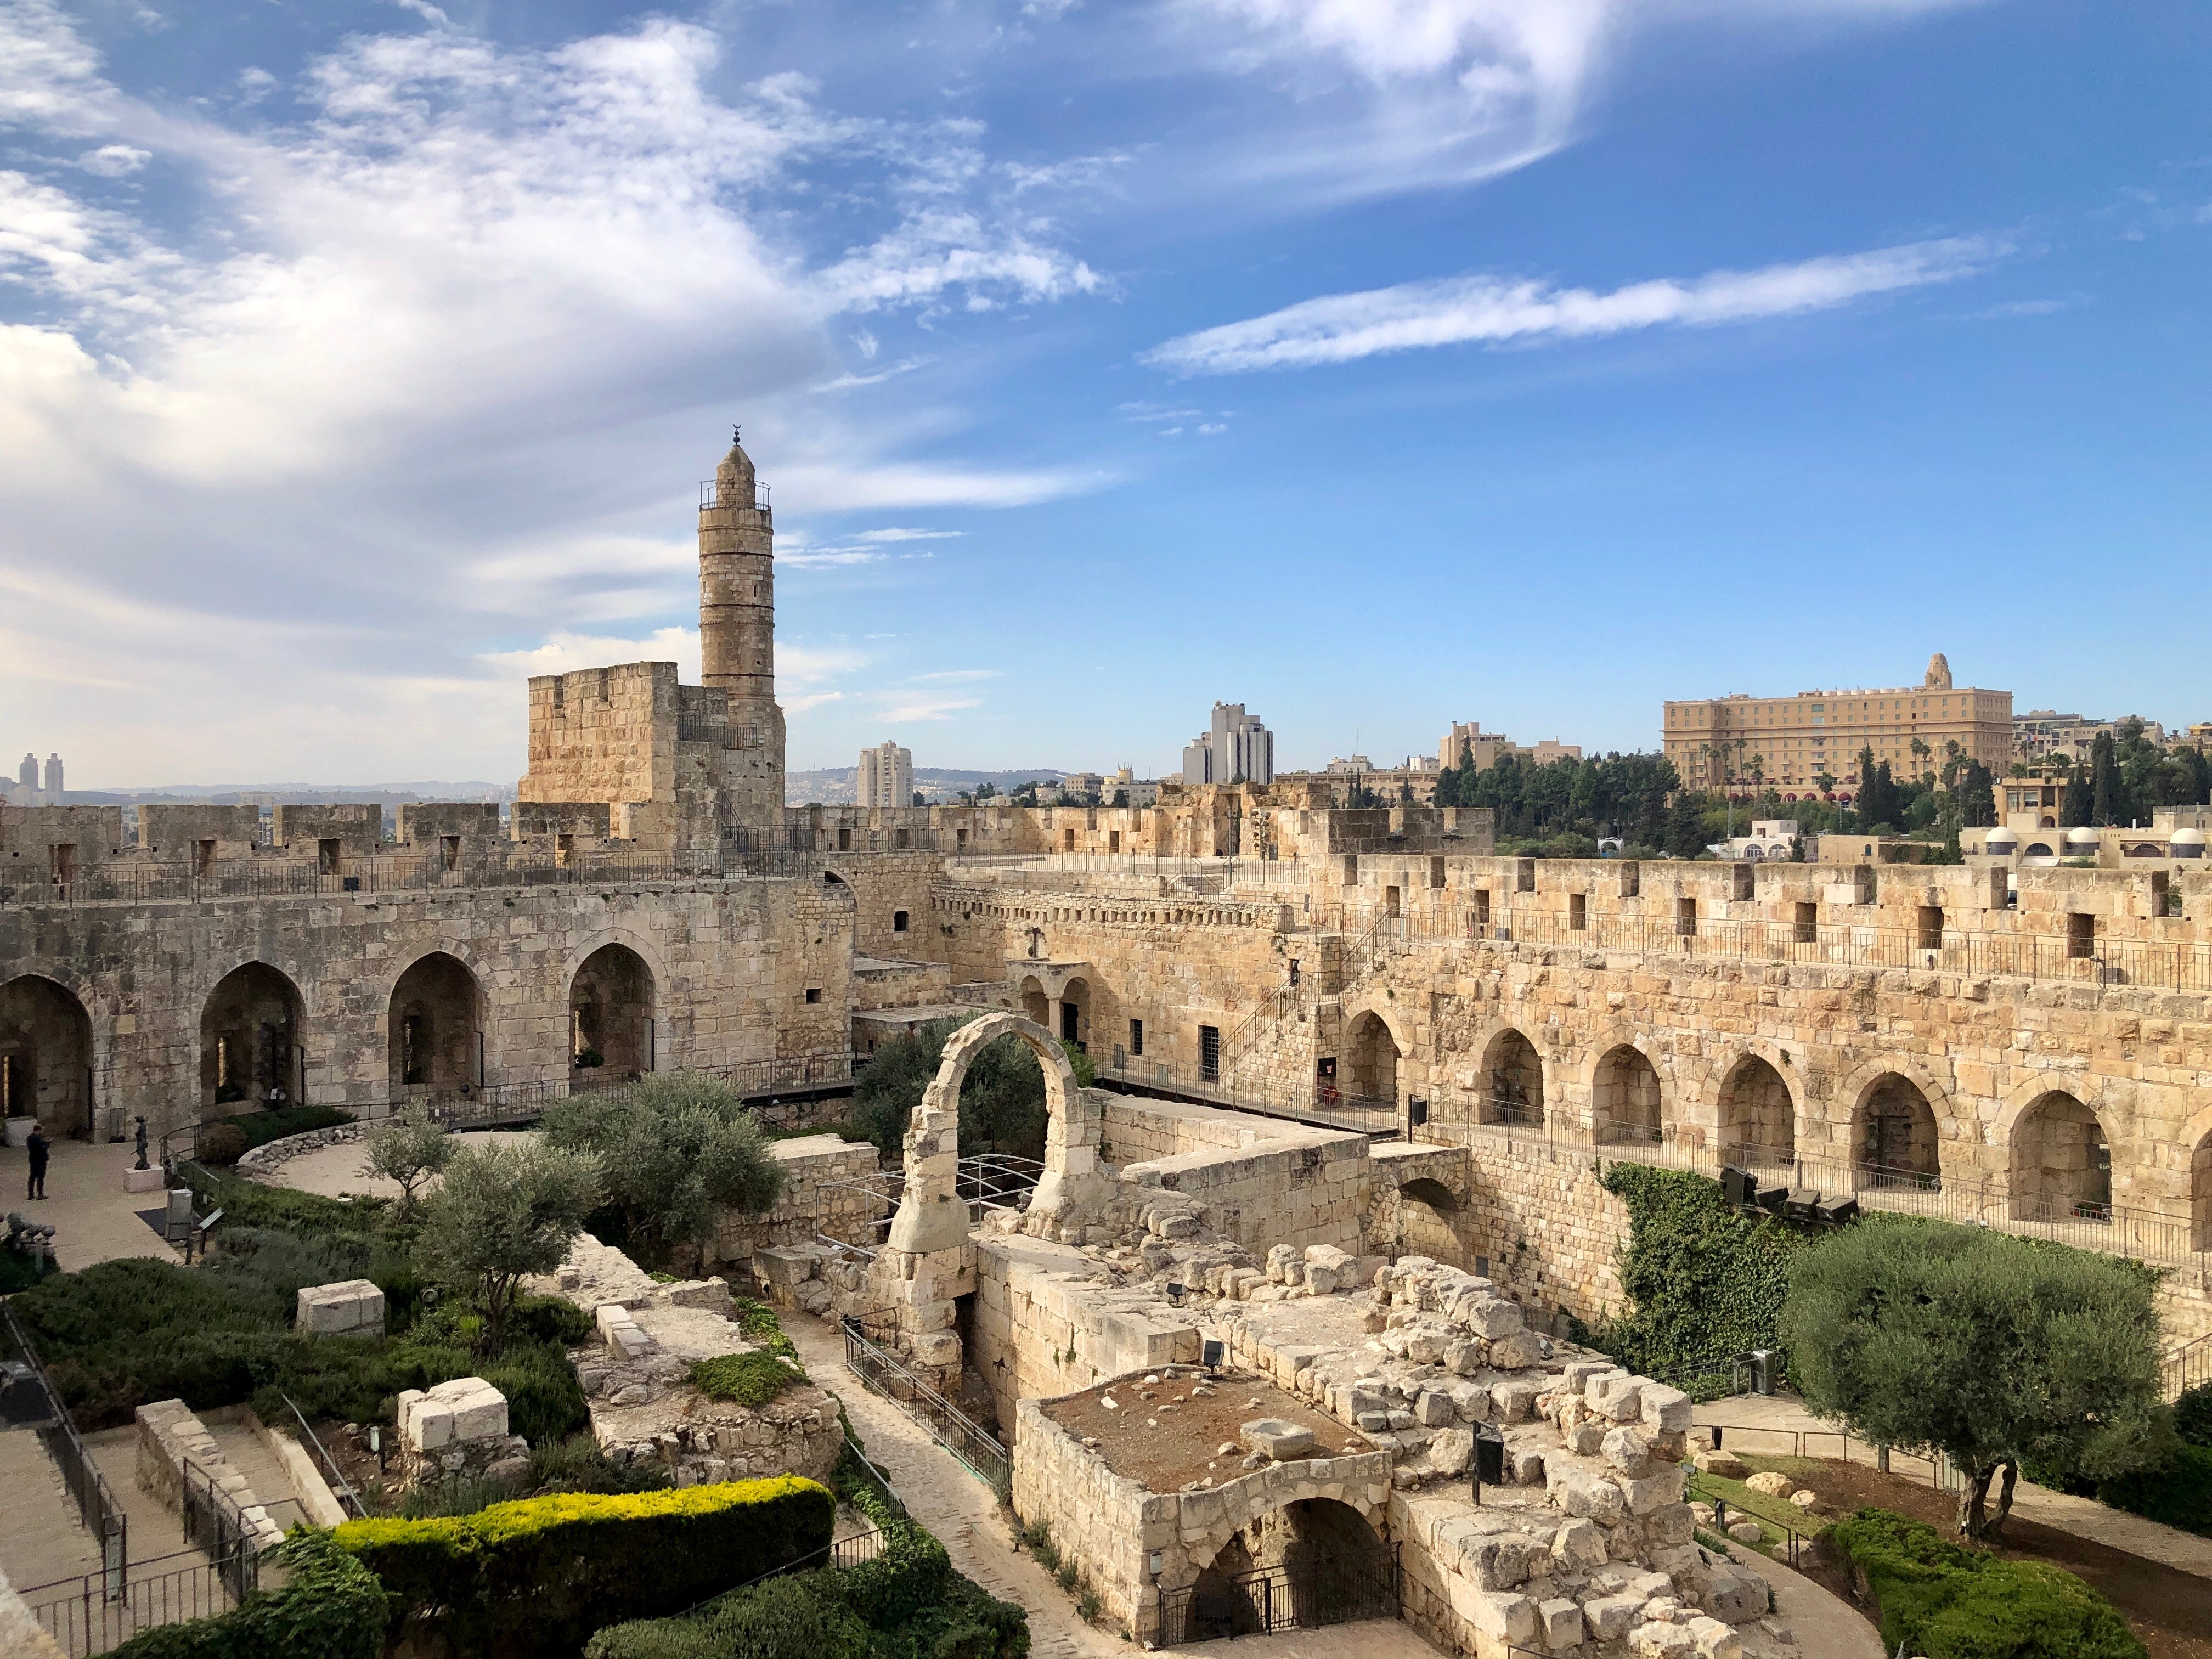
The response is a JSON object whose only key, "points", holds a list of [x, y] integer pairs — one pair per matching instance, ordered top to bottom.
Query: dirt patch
{"points": [[1168, 1433], [2169, 1611]]}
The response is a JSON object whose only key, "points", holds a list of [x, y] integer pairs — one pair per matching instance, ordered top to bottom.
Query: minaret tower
{"points": [[736, 627]]}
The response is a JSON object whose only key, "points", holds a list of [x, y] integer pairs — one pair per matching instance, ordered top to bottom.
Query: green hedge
{"points": [[1702, 1277], [753, 1378], [2177, 1493], [534, 1578], [1945, 1602], [907, 1603], [331, 1607]]}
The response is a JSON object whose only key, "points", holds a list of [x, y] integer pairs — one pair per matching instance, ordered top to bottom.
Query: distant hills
{"points": [[840, 786], [230, 794]]}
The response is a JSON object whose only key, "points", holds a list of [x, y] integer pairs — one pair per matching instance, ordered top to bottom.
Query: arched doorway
{"points": [[1034, 1005], [1075, 1012], [610, 1016], [437, 1025], [250, 1039], [1373, 1054], [46, 1055], [1513, 1082], [1624, 1098], [1759, 1119], [1894, 1134], [2061, 1163], [2200, 1194], [1429, 1222], [1314, 1562]]}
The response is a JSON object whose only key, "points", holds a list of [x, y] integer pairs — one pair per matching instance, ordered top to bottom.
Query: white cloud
{"points": [[114, 160], [1343, 327], [907, 535], [565, 652], [957, 675], [921, 707]]}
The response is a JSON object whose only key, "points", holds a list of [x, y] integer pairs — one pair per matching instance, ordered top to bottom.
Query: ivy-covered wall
{"points": [[1702, 1278]]}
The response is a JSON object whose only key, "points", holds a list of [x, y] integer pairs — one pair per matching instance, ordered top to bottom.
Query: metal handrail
{"points": [[981, 1454], [341, 1488], [103, 1516]]}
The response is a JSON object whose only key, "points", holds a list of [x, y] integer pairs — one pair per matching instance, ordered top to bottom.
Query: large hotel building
{"points": [[1788, 741]]}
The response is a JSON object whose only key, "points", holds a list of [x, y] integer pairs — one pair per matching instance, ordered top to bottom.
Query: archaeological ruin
{"points": [[1313, 1247]]}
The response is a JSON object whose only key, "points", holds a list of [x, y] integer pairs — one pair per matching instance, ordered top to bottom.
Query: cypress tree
{"points": [[2104, 781], [2074, 810]]}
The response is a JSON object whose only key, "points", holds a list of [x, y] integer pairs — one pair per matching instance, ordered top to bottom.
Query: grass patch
{"points": [[750, 1379], [1777, 1517]]}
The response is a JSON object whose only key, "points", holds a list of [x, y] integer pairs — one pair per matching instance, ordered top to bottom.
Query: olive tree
{"points": [[409, 1149], [672, 1149], [502, 1214], [1990, 1349]]}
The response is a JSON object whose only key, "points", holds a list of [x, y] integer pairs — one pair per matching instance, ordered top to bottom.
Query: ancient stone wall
{"points": [[732, 966]]}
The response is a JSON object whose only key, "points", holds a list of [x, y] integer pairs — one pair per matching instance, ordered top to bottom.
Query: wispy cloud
{"points": [[1342, 328], [907, 535], [958, 676], [919, 706]]}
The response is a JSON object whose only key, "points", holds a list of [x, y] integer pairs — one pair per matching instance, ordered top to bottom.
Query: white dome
{"points": [[2083, 836], [2193, 839], [2001, 840]]}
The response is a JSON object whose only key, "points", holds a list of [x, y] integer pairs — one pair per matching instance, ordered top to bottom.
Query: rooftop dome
{"points": [[2081, 836], [2001, 837], [2193, 839]]}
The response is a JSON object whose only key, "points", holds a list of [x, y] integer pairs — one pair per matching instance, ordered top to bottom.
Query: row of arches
{"points": [[252, 1037], [2060, 1146]]}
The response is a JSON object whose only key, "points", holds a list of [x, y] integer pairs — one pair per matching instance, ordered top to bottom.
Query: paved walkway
{"points": [[334, 1171], [93, 1217], [1785, 1415], [953, 1503], [1825, 1625]]}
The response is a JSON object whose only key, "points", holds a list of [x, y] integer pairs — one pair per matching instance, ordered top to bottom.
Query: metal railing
{"points": [[2053, 955], [497, 1104], [1315, 1106], [2189, 1366], [883, 1373], [1938, 1471], [341, 1488], [102, 1516], [214, 1522], [1793, 1543], [1269, 1600], [89, 1614]]}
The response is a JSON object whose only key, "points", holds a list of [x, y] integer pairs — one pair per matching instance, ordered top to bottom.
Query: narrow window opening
{"points": [[1578, 911], [1137, 1036]]}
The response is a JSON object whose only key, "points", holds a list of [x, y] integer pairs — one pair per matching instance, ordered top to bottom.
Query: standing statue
{"points": [[142, 1145]]}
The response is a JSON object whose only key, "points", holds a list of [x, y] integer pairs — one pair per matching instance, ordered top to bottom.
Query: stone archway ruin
{"points": [[46, 1054], [928, 1263]]}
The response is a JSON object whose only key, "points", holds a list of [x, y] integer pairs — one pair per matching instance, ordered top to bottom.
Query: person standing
{"points": [[38, 1146]]}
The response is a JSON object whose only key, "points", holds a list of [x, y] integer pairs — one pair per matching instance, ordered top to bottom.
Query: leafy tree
{"points": [[2104, 779], [1977, 796], [1685, 835], [409, 1149], [672, 1149], [502, 1214], [1987, 1348]]}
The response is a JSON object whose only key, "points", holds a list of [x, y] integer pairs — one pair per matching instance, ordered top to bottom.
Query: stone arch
{"points": [[611, 1006], [1036, 1006], [1075, 1011], [250, 1029], [435, 1034], [47, 1053], [1372, 1057], [1512, 1080], [1627, 1100], [1758, 1110], [1894, 1129], [2196, 1145], [2059, 1156], [1427, 1189], [931, 1215], [1264, 1521]]}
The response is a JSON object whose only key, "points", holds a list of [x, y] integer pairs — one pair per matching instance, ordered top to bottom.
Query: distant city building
{"points": [[2045, 735], [1791, 743], [1468, 744], [1236, 749], [1352, 763], [886, 777], [1083, 784], [26, 791], [1139, 791], [1769, 839]]}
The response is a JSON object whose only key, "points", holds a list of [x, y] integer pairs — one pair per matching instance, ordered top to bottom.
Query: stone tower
{"points": [[737, 630], [1938, 677]]}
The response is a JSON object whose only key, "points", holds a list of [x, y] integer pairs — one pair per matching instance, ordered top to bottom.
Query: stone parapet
{"points": [[174, 1446]]}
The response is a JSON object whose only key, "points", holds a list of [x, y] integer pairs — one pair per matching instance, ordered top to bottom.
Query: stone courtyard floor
{"points": [[334, 1171]]}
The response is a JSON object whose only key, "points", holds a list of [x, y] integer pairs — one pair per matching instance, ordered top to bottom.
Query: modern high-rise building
{"points": [[1794, 742], [1235, 748], [886, 776], [54, 779], [26, 791]]}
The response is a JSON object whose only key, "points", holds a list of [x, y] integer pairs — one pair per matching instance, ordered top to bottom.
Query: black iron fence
{"points": [[883, 1372], [215, 1523], [1304, 1595], [91, 1613]]}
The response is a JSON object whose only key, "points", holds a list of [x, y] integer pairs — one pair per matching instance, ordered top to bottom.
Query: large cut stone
{"points": [[351, 1307], [1280, 1440]]}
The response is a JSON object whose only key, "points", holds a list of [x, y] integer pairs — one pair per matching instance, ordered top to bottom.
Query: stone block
{"points": [[142, 1181], [785, 1265], [350, 1307], [1490, 1317], [1517, 1352], [1465, 1355], [1616, 1396], [1470, 1399], [1514, 1402], [1433, 1408], [1666, 1411], [1280, 1440], [1626, 1451], [1451, 1452], [1725, 1464], [1528, 1467], [1771, 1483], [1579, 1492], [1647, 1492], [1670, 1523], [1580, 1547], [1734, 1592], [1503, 1615], [1610, 1617], [1560, 1624], [1715, 1640], [1658, 1641]]}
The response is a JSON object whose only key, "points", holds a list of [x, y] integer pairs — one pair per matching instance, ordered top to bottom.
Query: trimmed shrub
{"points": [[261, 1127], [223, 1143], [19, 1272], [550, 1319], [750, 1379], [545, 1401], [2193, 1415], [577, 1464], [2177, 1493], [535, 1577], [1945, 1602], [331, 1607], [784, 1617]]}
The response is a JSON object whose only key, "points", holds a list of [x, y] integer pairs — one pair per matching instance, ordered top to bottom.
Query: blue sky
{"points": [[1376, 363]]}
